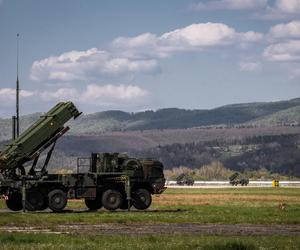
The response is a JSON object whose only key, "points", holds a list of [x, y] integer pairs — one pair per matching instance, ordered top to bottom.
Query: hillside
{"points": [[265, 113], [287, 116], [174, 118], [25, 122], [187, 137], [131, 141], [276, 149]]}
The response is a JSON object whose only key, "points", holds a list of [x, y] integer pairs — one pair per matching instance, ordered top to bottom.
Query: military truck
{"points": [[184, 179], [111, 180], [235, 180]]}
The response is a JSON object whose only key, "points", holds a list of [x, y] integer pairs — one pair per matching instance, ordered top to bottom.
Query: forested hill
{"points": [[265, 113]]}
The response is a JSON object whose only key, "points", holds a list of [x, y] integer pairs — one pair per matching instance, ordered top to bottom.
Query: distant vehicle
{"points": [[184, 179], [235, 180]]}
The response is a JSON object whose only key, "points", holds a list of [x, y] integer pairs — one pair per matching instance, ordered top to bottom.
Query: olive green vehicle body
{"points": [[30, 141], [184, 179], [113, 180], [235, 180]]}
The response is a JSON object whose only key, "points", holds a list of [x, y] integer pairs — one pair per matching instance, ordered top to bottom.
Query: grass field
{"points": [[254, 206], [38, 241]]}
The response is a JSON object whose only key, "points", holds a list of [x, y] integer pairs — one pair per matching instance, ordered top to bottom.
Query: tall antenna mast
{"points": [[17, 91]]}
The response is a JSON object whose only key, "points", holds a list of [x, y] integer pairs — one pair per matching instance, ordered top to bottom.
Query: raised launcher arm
{"points": [[32, 142]]}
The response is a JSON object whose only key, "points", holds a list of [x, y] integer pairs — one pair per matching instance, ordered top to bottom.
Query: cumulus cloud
{"points": [[228, 5], [285, 30], [190, 38], [283, 52], [139, 54], [88, 65], [250, 66], [110, 92], [97, 95], [93, 96]]}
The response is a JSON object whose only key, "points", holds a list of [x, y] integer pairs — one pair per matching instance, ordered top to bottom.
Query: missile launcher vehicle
{"points": [[111, 180], [184, 180], [235, 180]]}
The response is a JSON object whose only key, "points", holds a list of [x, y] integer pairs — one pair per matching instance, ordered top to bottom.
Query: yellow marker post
{"points": [[275, 183]]}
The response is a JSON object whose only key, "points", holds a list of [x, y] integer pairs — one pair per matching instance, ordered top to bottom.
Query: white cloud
{"points": [[229, 5], [288, 6], [285, 30], [192, 37], [283, 52], [132, 55], [88, 65], [250, 66], [62, 94], [97, 94], [9, 95], [92, 95], [91, 98]]}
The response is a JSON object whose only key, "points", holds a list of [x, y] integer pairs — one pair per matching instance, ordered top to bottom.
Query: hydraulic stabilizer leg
{"points": [[128, 192], [24, 194]]}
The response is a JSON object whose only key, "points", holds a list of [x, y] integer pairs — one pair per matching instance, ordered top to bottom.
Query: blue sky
{"points": [[137, 55]]}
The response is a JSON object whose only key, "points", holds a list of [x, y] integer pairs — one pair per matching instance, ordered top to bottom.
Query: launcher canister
{"points": [[43, 131]]}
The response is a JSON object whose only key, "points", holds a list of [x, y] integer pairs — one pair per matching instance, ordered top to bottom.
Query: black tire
{"points": [[112, 199], [141, 199], [34, 200], [57, 200], [14, 202], [93, 204]]}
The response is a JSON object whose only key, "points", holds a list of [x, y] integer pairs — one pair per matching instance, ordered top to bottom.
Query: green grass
{"points": [[237, 191], [221, 206], [211, 211], [180, 214], [50, 241]]}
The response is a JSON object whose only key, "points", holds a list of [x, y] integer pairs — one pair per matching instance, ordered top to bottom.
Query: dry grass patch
{"points": [[219, 199]]}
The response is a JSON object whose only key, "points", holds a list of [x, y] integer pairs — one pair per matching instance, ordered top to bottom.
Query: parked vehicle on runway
{"points": [[184, 179], [236, 179]]}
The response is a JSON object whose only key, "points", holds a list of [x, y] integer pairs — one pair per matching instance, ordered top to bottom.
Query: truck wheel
{"points": [[112, 199], [141, 199], [34, 200], [57, 200], [14, 202], [93, 204]]}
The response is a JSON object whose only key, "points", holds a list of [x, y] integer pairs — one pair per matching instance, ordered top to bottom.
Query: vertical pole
{"points": [[17, 91], [13, 119], [128, 193], [24, 194]]}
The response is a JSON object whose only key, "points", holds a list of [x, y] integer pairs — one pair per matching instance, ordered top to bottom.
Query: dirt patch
{"points": [[161, 228]]}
